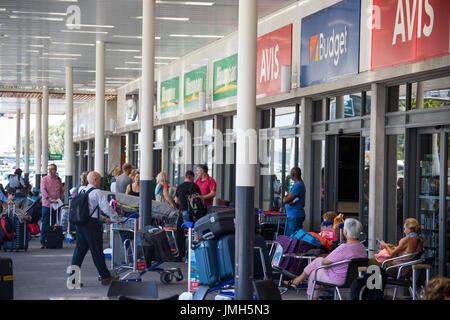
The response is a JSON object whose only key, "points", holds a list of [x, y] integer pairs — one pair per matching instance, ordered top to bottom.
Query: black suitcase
{"points": [[215, 225], [21, 233], [54, 236], [154, 245], [6, 279]]}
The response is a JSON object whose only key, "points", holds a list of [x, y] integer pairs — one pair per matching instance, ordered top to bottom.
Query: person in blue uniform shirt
{"points": [[295, 203]]}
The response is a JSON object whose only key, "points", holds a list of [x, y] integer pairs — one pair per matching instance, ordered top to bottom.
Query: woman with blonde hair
{"points": [[117, 172], [134, 187], [162, 188], [411, 243]]}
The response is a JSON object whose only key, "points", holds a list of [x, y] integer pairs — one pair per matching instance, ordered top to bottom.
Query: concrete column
{"points": [[420, 95], [147, 96], [340, 107], [45, 111], [99, 132], [18, 137], [187, 141], [38, 143], [246, 146], [165, 149], [114, 152], [305, 154], [69, 155], [218, 155], [377, 164], [26, 168]]}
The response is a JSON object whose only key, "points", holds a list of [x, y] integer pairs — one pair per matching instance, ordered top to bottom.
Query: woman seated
{"points": [[162, 189], [411, 243], [351, 249]]}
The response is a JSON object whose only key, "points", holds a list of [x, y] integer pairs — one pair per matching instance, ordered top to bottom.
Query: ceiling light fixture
{"points": [[186, 3], [49, 13], [37, 18], [166, 18], [88, 25], [85, 31], [195, 36], [132, 37], [74, 44], [36, 45], [123, 50], [31, 51], [62, 54], [59, 58], [123, 68], [49, 70]]}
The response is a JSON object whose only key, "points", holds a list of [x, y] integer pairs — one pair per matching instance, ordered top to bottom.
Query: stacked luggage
{"points": [[14, 225], [215, 251]]}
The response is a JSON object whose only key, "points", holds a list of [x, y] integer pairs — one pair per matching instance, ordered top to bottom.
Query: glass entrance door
{"points": [[433, 198]]}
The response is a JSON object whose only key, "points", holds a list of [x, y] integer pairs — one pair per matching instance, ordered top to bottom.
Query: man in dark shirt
{"points": [[183, 190]]}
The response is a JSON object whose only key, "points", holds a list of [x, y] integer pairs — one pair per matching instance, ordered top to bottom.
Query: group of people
{"points": [[126, 180]]}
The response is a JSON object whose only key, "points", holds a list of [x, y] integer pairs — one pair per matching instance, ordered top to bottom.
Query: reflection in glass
{"points": [[428, 193]]}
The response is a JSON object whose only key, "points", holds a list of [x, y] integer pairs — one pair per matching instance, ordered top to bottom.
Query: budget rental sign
{"points": [[406, 31], [330, 43], [274, 50]]}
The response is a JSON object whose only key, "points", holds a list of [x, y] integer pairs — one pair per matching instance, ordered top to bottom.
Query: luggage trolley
{"points": [[272, 218], [132, 252]]}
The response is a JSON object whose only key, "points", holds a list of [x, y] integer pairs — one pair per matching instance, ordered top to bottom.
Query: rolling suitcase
{"points": [[215, 225], [21, 232], [54, 236], [225, 256], [206, 261], [6, 279]]}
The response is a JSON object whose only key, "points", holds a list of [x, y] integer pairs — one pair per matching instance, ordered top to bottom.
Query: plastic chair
{"points": [[410, 273], [352, 274], [266, 290]]}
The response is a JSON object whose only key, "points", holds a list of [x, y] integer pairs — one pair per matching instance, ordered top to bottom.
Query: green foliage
{"points": [[55, 139]]}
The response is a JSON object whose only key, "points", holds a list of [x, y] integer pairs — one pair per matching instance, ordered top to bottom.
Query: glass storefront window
{"points": [[285, 117], [176, 163], [366, 182]]}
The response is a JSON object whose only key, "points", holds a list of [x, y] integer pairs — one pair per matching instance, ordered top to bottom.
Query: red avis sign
{"points": [[406, 31], [274, 50]]}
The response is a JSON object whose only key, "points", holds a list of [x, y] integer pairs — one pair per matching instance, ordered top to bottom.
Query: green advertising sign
{"points": [[225, 78], [194, 83], [170, 92], [55, 156]]}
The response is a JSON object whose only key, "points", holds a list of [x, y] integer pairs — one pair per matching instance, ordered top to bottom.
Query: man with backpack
{"points": [[188, 196], [88, 224]]}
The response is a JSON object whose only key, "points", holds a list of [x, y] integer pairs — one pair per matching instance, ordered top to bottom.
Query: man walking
{"points": [[124, 179], [52, 190], [295, 203], [90, 235]]}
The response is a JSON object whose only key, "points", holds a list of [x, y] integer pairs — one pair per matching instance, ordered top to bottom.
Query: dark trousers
{"points": [[46, 220], [90, 237]]}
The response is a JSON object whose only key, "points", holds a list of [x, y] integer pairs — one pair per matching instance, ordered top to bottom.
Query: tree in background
{"points": [[55, 139]]}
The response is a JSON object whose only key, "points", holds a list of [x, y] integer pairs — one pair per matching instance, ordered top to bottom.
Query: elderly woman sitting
{"points": [[351, 249]]}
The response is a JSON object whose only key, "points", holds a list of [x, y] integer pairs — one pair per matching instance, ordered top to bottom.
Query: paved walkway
{"points": [[40, 274]]}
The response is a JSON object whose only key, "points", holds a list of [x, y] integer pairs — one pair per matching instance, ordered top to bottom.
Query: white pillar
{"points": [[147, 96], [99, 107], [45, 111], [18, 137], [38, 142], [246, 146], [69, 157], [377, 167], [26, 169]]}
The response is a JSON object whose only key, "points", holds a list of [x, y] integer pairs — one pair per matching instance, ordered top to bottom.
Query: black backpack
{"points": [[196, 206], [79, 213]]}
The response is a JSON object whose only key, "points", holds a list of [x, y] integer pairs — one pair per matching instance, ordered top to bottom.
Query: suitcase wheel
{"points": [[166, 277]]}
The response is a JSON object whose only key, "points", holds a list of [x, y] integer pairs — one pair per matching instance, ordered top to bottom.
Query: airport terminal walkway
{"points": [[40, 274]]}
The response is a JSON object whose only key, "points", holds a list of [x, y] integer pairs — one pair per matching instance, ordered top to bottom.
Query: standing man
{"points": [[124, 179], [206, 184], [186, 188], [52, 190], [295, 203], [90, 235]]}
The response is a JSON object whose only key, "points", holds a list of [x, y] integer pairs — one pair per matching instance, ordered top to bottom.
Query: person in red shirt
{"points": [[206, 184]]}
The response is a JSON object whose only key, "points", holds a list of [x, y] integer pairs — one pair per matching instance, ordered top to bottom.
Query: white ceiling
{"points": [[22, 55]]}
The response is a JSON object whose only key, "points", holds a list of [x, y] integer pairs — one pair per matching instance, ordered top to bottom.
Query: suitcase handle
{"points": [[208, 236]]}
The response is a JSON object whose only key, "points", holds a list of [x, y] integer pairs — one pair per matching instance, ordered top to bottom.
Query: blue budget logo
{"points": [[330, 43]]}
